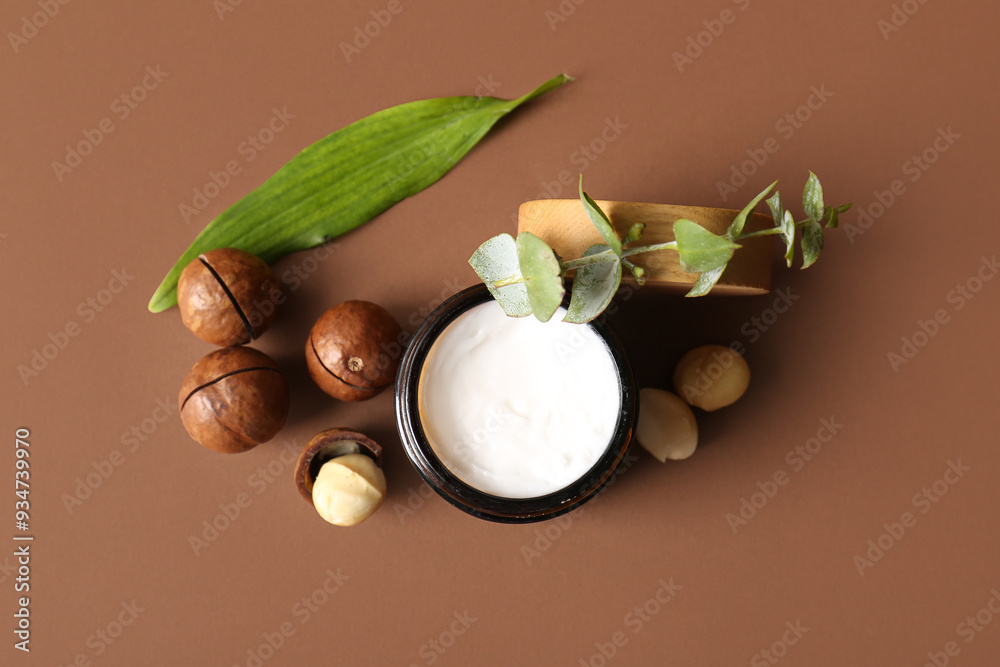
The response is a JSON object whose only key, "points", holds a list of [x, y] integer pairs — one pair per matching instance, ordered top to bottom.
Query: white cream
{"points": [[516, 407]]}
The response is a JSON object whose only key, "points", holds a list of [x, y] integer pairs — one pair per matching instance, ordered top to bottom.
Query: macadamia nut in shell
{"points": [[227, 296], [349, 351], [233, 399]]}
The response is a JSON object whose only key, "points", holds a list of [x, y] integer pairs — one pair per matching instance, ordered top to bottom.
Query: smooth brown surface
{"points": [[564, 225], [227, 296], [350, 353], [234, 399], [103, 407]]}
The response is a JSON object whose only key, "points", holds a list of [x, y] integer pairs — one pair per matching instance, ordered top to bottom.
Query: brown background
{"points": [[410, 573]]}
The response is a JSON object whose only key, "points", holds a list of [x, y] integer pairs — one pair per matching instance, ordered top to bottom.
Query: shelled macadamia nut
{"points": [[227, 296], [348, 350], [711, 377], [233, 399], [666, 427], [339, 473], [348, 489]]}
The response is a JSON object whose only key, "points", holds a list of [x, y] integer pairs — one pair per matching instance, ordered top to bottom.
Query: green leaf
{"points": [[348, 178], [812, 198], [777, 210], [835, 211], [600, 221], [736, 226], [787, 235], [812, 242], [699, 249], [496, 261], [542, 275], [706, 281], [593, 288]]}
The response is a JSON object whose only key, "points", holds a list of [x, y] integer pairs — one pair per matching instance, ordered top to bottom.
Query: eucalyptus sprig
{"points": [[526, 276]]}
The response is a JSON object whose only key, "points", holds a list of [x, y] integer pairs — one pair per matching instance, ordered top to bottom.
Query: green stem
{"points": [[762, 232], [669, 245], [599, 258]]}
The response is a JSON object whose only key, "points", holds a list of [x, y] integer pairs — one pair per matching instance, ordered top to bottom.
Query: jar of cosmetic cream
{"points": [[511, 419]]}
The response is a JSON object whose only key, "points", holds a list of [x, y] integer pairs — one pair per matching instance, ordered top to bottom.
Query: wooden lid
{"points": [[564, 225]]}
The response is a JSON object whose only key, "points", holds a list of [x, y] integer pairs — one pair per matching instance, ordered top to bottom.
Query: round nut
{"points": [[227, 296], [347, 350], [711, 377], [233, 399], [666, 427], [328, 445], [348, 489]]}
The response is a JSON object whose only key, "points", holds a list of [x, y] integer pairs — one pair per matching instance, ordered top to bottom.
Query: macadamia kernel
{"points": [[711, 377], [666, 427], [348, 489]]}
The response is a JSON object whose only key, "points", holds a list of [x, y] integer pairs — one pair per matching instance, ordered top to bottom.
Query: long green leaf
{"points": [[349, 177], [600, 220], [736, 226]]}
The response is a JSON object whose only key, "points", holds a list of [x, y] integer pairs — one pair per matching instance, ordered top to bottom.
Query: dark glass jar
{"points": [[468, 498]]}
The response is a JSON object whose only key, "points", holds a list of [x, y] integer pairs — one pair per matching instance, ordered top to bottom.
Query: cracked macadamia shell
{"points": [[227, 296], [350, 350], [233, 399], [326, 446]]}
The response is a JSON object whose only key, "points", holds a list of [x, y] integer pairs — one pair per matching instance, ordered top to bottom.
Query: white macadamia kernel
{"points": [[711, 377], [666, 427], [348, 489]]}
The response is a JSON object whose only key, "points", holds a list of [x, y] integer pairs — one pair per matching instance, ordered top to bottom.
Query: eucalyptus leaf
{"points": [[348, 178], [812, 198], [777, 210], [835, 211], [600, 221], [736, 226], [787, 235], [812, 242], [700, 250], [495, 261], [542, 275], [706, 281], [593, 288]]}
